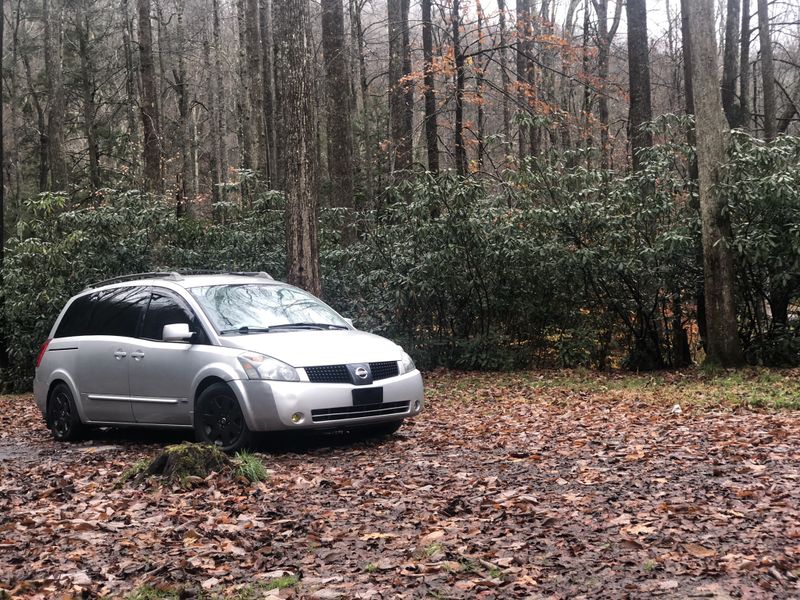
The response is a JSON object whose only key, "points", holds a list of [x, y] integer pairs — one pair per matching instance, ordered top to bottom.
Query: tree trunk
{"points": [[501, 8], [53, 14], [605, 35], [254, 53], [399, 59], [730, 65], [744, 68], [479, 70], [767, 71], [639, 76], [268, 84], [523, 86], [87, 96], [131, 96], [243, 109], [339, 109], [431, 125], [458, 125], [41, 126], [219, 127], [151, 153], [296, 159], [185, 192], [3, 345], [723, 347]]}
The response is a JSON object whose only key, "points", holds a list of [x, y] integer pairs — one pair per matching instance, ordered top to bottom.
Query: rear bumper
{"points": [[269, 405]]}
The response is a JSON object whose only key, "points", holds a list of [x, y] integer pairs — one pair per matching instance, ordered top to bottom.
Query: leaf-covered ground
{"points": [[540, 484]]}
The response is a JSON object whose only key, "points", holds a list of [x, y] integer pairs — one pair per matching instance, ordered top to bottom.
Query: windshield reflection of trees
{"points": [[261, 305]]}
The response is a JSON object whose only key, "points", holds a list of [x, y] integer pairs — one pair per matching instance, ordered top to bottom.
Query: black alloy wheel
{"points": [[218, 419], [63, 420]]}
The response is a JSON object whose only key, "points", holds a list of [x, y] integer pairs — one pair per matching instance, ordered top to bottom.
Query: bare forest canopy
{"points": [[325, 113]]}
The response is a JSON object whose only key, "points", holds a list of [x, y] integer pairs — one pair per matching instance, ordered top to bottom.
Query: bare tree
{"points": [[53, 15], [605, 36], [730, 65], [767, 71], [458, 76], [639, 76], [149, 101], [339, 109], [400, 110], [431, 125], [297, 166], [722, 347]]}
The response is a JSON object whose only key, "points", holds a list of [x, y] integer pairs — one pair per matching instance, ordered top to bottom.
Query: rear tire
{"points": [[62, 418], [218, 419]]}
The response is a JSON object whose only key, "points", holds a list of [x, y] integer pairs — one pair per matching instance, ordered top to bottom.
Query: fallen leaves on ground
{"points": [[532, 484]]}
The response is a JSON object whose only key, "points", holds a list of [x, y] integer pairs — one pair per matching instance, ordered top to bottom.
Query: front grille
{"points": [[384, 370], [328, 374], [340, 374], [320, 415]]}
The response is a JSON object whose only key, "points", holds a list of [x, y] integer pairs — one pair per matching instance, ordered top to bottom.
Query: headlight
{"points": [[408, 363], [258, 366]]}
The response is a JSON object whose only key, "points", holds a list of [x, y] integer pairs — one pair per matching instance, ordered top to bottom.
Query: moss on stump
{"points": [[179, 462]]}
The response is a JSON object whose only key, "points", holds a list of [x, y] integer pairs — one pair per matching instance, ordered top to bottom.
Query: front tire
{"points": [[63, 418], [218, 419]]}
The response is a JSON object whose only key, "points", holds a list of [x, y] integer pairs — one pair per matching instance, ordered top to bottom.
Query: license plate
{"points": [[367, 396]]}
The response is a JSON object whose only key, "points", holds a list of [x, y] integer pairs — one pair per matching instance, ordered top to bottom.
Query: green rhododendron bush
{"points": [[554, 264]]}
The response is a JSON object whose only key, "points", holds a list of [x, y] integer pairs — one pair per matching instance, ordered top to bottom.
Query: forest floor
{"points": [[533, 485]]}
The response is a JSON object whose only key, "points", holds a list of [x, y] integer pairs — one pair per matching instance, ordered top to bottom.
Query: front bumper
{"points": [[270, 405]]}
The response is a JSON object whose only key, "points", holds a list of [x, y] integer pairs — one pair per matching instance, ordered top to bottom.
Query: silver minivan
{"points": [[226, 354]]}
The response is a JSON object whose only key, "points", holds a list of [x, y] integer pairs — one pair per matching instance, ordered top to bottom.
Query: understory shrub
{"points": [[558, 263]]}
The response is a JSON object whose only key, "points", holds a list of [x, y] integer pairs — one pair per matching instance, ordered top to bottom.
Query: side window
{"points": [[164, 309], [118, 311], [76, 320]]}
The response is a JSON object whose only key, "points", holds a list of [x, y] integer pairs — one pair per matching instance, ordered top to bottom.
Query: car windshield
{"points": [[253, 308]]}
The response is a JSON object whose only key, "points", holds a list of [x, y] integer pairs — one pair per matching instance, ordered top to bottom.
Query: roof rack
{"points": [[261, 274], [173, 275], [177, 275]]}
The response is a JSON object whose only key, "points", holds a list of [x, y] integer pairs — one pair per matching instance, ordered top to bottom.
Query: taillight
{"points": [[42, 350]]}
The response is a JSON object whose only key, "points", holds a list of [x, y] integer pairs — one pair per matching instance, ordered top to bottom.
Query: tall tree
{"points": [[53, 16], [604, 37], [294, 51], [254, 52], [730, 64], [744, 67], [523, 68], [767, 71], [458, 76], [639, 76], [504, 78], [268, 84], [87, 86], [149, 101], [400, 107], [339, 118], [431, 125], [3, 347], [722, 347]]}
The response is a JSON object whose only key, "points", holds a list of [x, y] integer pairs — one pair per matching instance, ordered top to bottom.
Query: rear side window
{"points": [[166, 310], [117, 312], [76, 320]]}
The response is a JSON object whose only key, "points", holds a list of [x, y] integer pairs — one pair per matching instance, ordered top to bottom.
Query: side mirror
{"points": [[348, 321], [176, 332]]}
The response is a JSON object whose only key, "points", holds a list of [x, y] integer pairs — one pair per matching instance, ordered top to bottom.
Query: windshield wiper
{"points": [[304, 325], [245, 329]]}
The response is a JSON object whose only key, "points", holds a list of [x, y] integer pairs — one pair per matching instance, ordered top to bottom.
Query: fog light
{"points": [[416, 406], [297, 417]]}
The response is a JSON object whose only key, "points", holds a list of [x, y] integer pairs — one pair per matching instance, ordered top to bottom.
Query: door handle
{"points": [[120, 354], [138, 355]]}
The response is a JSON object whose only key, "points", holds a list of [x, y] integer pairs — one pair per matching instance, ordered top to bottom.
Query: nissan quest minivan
{"points": [[226, 354]]}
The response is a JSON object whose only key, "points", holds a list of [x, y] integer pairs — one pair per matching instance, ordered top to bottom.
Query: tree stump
{"points": [[181, 461]]}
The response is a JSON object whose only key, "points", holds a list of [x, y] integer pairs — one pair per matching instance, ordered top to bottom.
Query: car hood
{"points": [[310, 348]]}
